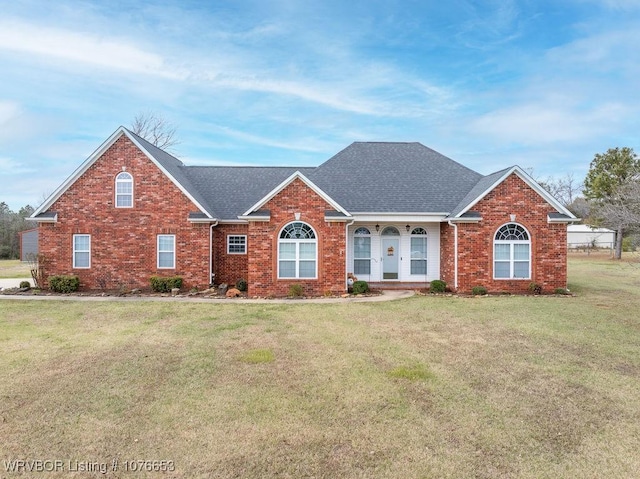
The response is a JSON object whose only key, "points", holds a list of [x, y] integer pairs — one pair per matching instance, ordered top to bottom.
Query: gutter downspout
{"points": [[211, 251], [346, 251], [455, 253]]}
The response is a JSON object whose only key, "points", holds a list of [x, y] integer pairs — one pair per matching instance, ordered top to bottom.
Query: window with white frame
{"points": [[124, 190], [237, 244], [81, 251], [166, 251], [297, 251], [362, 251], [419, 251], [512, 252]]}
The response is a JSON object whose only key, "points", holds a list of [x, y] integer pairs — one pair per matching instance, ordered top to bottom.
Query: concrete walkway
{"points": [[387, 295]]}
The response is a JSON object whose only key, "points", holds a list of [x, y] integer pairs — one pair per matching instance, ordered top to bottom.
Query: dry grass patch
{"points": [[524, 387]]}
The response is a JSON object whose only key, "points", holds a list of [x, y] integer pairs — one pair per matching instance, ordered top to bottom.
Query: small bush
{"points": [[628, 244], [64, 283], [25, 284], [165, 284], [241, 284], [438, 286], [360, 287], [535, 288], [296, 290], [478, 290], [560, 291]]}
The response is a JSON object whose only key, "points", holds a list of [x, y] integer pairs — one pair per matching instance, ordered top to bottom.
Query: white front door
{"points": [[390, 257]]}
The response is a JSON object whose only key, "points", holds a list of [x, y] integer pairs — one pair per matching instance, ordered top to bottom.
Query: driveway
{"points": [[13, 282]]}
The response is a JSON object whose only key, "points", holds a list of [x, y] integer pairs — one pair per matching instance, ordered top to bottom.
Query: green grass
{"points": [[13, 268], [257, 356], [431, 386]]}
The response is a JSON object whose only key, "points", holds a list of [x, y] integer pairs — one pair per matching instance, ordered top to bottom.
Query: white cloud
{"points": [[85, 48], [537, 124]]}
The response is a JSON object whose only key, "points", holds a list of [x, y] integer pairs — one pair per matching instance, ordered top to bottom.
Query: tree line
{"points": [[11, 223]]}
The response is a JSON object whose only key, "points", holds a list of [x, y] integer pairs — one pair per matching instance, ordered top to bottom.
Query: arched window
{"points": [[124, 190], [390, 231], [297, 251], [362, 251], [419, 251], [512, 252]]}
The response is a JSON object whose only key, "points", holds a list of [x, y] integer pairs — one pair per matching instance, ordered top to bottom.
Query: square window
{"points": [[237, 244], [287, 269], [307, 269], [502, 269]]}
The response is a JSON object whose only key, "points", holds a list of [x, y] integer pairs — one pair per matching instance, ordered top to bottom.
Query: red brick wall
{"points": [[123, 240], [548, 241], [263, 243], [447, 264], [229, 268]]}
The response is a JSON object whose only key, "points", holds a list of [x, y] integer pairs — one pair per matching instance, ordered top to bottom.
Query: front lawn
{"points": [[14, 268], [484, 387]]}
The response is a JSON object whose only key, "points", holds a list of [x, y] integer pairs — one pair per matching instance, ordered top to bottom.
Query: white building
{"points": [[580, 236]]}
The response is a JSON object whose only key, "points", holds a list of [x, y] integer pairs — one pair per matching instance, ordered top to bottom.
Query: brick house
{"points": [[393, 214]]}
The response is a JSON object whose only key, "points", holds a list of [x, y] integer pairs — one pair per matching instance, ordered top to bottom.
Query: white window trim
{"points": [[116, 194], [361, 235], [244, 244], [81, 251], [158, 251], [426, 253], [297, 259], [512, 259]]}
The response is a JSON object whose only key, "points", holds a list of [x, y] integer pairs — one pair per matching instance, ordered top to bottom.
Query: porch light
{"points": [[377, 227], [408, 228]]}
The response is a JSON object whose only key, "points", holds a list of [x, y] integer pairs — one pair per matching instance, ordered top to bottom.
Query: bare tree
{"points": [[154, 128], [565, 189], [621, 210]]}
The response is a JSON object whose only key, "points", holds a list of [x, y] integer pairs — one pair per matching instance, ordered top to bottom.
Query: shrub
{"points": [[628, 245], [25, 284], [64, 284], [165, 284], [241, 284], [438, 286], [360, 287], [535, 288], [296, 290], [478, 290], [560, 291]]}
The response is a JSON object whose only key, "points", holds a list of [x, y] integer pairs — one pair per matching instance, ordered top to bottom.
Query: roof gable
{"points": [[168, 164], [296, 175], [490, 182], [234, 189]]}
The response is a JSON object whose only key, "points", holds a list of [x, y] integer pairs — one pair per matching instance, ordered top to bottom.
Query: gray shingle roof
{"points": [[176, 169], [365, 177], [394, 177], [232, 190]]}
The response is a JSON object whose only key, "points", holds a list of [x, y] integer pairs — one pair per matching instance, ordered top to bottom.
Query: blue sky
{"points": [[541, 84]]}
